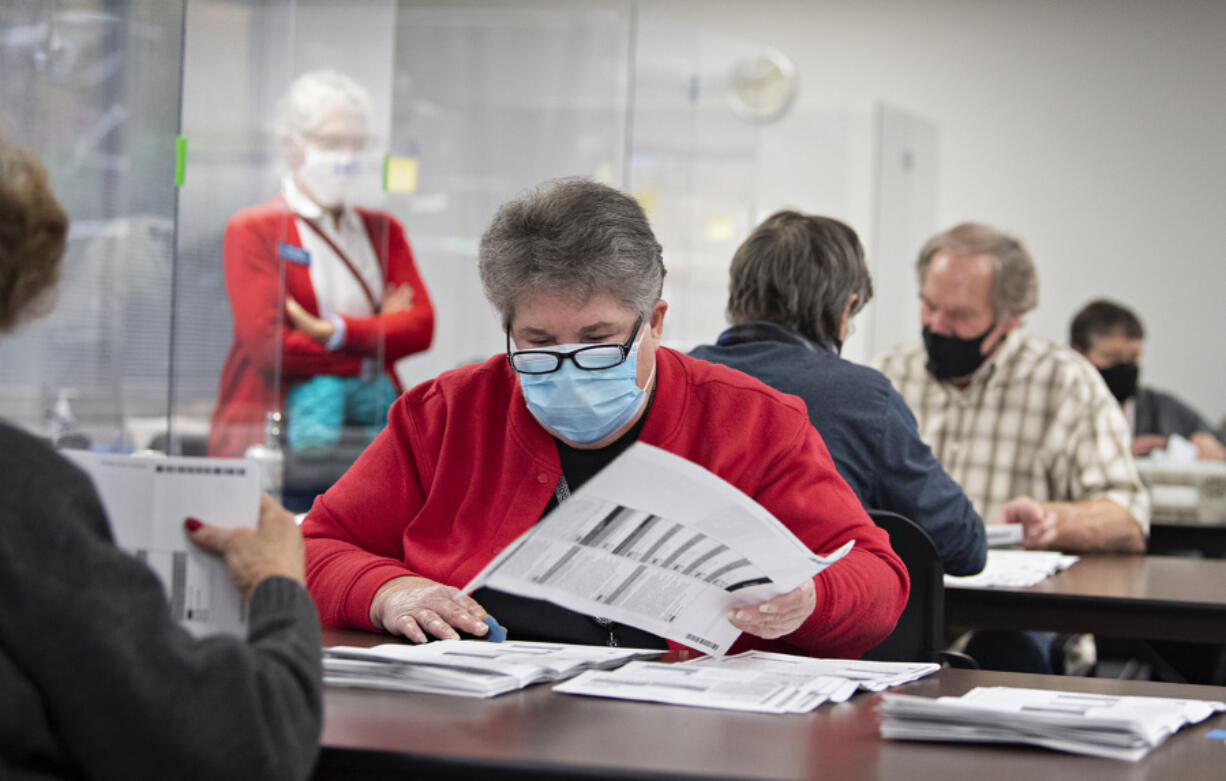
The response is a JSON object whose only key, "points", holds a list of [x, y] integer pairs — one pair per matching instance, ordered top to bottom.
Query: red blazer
{"points": [[255, 257], [463, 468]]}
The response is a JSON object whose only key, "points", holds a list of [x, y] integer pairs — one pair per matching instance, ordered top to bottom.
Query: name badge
{"points": [[293, 254]]}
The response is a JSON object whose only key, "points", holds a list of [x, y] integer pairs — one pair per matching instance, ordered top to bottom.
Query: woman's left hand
{"points": [[778, 616]]}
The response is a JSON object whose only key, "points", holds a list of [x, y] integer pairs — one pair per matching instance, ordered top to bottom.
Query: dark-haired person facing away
{"points": [[796, 282], [1111, 336], [96, 679]]}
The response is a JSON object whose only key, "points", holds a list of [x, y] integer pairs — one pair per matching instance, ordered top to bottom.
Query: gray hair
{"points": [[312, 95], [571, 237], [799, 271], [1015, 285]]}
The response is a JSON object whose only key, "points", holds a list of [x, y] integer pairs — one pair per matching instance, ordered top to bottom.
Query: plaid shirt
{"points": [[1036, 420]]}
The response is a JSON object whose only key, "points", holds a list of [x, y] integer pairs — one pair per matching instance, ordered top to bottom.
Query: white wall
{"points": [[1095, 130]]}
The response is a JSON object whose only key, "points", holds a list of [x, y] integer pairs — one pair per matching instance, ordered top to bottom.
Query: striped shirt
{"points": [[1036, 420]]}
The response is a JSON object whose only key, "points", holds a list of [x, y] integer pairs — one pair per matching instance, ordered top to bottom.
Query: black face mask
{"points": [[949, 356], [1121, 379]]}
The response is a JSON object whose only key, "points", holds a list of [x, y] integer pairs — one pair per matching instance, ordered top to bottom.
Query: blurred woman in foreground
{"points": [[96, 679]]}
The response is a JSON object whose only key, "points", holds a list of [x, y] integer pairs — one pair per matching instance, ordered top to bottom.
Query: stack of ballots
{"points": [[1014, 569], [468, 668], [752, 681], [1095, 724]]}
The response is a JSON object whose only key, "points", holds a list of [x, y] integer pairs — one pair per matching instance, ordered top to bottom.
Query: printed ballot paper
{"points": [[147, 499], [659, 543]]}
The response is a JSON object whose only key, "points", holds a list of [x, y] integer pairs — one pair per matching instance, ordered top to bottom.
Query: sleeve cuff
{"points": [[337, 340]]}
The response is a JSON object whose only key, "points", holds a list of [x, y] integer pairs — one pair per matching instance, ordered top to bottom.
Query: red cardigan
{"points": [[254, 263], [463, 468]]}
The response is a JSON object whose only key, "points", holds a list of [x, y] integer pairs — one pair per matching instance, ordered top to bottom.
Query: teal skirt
{"points": [[318, 410]]}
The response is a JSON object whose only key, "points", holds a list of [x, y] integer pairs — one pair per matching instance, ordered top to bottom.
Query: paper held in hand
{"points": [[147, 499], [659, 543]]}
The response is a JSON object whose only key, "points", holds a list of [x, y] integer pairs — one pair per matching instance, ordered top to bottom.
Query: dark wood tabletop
{"points": [[1147, 597], [539, 734]]}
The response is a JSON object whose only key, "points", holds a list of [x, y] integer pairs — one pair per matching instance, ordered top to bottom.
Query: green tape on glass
{"points": [[180, 160]]}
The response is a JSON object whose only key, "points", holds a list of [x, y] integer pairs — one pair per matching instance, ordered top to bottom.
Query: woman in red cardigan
{"points": [[325, 297], [475, 457]]}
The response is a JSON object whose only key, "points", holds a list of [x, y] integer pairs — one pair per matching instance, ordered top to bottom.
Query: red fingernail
{"points": [[192, 524]]}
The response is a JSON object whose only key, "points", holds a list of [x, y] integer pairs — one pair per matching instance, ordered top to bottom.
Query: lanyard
{"points": [[370, 297]]}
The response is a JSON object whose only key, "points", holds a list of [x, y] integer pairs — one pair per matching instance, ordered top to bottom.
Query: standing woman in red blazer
{"points": [[325, 296]]}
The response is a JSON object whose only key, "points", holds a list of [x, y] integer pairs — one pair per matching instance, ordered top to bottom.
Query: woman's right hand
{"points": [[274, 548], [412, 606]]}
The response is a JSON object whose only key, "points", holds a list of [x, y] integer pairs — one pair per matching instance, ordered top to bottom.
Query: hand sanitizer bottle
{"points": [[63, 430], [268, 456]]}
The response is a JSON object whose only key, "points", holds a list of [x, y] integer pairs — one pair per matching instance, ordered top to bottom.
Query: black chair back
{"points": [[919, 635]]}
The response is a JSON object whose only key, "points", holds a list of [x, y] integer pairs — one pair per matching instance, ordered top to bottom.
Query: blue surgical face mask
{"points": [[585, 406]]}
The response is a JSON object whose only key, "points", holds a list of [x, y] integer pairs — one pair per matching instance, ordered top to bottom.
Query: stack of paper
{"points": [[1014, 569], [469, 668], [752, 681], [1094, 724]]}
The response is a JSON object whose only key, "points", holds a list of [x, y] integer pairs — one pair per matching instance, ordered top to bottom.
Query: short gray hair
{"points": [[313, 94], [571, 237], [799, 271], [1015, 285]]}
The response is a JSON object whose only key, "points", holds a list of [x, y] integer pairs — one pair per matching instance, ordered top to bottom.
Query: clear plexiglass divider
{"points": [[188, 254]]}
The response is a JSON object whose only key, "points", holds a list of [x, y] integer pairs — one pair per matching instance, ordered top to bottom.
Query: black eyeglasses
{"points": [[591, 358]]}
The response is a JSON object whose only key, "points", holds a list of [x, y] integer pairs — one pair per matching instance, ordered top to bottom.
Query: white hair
{"points": [[311, 96]]}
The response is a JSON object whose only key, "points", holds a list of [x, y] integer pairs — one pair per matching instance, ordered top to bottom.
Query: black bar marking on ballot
{"points": [[601, 529], [635, 535], [663, 539], [691, 542], [561, 562], [698, 562], [714, 576], [748, 583], [178, 585], [624, 585]]}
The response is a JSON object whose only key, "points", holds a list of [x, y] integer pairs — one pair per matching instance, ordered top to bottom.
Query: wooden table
{"points": [[1146, 597], [538, 734]]}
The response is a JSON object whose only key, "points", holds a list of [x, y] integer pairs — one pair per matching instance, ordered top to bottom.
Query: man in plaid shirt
{"points": [[1028, 428]]}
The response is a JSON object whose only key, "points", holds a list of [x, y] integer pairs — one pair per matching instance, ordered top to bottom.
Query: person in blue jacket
{"points": [[796, 282]]}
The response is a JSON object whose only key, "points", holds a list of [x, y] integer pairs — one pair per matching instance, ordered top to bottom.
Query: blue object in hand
{"points": [[496, 634]]}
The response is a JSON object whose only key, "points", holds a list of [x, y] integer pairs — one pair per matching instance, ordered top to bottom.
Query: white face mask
{"points": [[329, 175]]}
